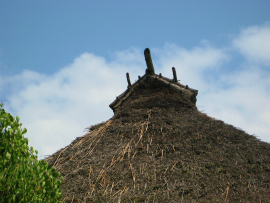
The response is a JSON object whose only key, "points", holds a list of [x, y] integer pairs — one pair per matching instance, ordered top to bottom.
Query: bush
{"points": [[22, 177]]}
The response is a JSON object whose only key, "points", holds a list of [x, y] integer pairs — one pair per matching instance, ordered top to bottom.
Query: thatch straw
{"points": [[159, 148]]}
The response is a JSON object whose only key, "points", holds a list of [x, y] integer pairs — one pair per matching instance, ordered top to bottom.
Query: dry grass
{"points": [[159, 148]]}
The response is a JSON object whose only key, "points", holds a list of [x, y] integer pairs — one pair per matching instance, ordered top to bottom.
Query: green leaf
{"points": [[17, 119], [10, 130], [24, 131], [19, 133], [25, 139], [8, 155], [49, 166], [3, 180], [53, 194]]}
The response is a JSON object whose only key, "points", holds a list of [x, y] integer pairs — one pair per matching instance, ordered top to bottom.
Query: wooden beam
{"points": [[148, 59], [174, 75], [128, 80]]}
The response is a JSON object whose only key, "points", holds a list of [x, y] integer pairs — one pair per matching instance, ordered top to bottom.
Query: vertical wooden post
{"points": [[148, 59], [174, 75], [128, 80]]}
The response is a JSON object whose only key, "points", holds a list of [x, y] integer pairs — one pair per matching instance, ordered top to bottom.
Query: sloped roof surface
{"points": [[159, 148]]}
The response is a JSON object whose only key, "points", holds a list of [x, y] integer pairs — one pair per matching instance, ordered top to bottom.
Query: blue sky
{"points": [[63, 62]]}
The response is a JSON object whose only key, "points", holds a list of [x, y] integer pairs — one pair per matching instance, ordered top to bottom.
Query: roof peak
{"points": [[150, 73]]}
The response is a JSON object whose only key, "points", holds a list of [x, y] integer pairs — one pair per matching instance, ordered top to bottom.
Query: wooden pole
{"points": [[148, 59], [174, 75], [128, 80]]}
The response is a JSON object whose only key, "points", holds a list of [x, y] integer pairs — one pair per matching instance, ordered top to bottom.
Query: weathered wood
{"points": [[148, 59], [174, 74], [128, 80]]}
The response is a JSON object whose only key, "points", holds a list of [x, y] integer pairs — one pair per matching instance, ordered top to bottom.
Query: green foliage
{"points": [[22, 177]]}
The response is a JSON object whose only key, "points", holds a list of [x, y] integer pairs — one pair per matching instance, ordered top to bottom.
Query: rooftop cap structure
{"points": [[150, 73]]}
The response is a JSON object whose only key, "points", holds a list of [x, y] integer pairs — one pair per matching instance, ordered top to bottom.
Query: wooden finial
{"points": [[148, 59], [174, 74], [128, 80]]}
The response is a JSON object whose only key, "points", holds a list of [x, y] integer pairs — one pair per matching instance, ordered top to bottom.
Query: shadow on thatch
{"points": [[159, 148]]}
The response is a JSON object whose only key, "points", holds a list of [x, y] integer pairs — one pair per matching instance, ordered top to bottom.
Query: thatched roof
{"points": [[158, 80], [159, 148]]}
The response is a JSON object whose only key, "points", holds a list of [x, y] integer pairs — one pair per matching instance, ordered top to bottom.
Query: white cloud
{"points": [[254, 43], [190, 64], [239, 96], [245, 103], [57, 108]]}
